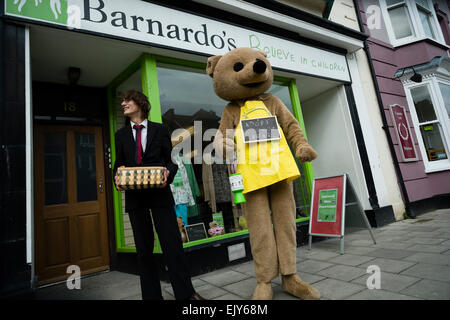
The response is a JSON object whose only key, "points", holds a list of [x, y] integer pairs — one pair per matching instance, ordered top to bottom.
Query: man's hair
{"points": [[139, 99]]}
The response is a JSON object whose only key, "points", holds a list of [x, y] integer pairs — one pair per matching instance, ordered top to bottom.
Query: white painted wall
{"points": [[343, 12], [330, 132]]}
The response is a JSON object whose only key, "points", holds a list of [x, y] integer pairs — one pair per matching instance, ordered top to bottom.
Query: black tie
{"points": [[139, 150]]}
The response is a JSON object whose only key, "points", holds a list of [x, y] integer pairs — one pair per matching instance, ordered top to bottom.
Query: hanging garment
{"points": [[264, 163], [208, 186], [181, 189], [181, 211]]}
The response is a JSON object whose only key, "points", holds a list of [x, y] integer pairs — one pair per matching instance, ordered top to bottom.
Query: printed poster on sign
{"points": [[327, 205]]}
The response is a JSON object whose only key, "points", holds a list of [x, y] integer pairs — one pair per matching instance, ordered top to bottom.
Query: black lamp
{"points": [[73, 74], [416, 77]]}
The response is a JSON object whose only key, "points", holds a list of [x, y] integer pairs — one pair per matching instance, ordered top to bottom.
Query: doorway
{"points": [[70, 202]]}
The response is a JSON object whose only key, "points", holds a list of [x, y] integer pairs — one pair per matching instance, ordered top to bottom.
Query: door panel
{"points": [[70, 203]]}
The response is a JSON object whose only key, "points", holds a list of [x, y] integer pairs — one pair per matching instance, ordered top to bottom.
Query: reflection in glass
{"points": [[391, 2], [423, 3], [425, 19], [401, 22], [445, 91], [187, 95], [423, 104], [432, 139], [86, 168], [55, 171]]}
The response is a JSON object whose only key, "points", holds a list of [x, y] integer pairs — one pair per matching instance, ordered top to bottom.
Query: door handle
{"points": [[100, 186]]}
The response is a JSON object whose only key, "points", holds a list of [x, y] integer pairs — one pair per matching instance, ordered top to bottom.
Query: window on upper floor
{"points": [[411, 20]]}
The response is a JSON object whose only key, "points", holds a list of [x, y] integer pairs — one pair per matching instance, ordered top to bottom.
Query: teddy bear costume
{"points": [[242, 76]]}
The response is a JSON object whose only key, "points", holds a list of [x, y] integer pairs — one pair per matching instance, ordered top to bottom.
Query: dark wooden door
{"points": [[70, 202]]}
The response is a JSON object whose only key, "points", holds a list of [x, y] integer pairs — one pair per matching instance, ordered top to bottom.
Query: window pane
{"points": [[391, 2], [423, 3], [426, 21], [401, 22], [445, 90], [423, 104], [432, 139], [86, 168], [55, 172]]}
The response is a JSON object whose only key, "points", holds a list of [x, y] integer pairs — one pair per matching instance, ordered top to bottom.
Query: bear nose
{"points": [[259, 66]]}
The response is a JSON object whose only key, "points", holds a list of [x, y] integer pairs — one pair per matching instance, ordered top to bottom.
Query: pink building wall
{"points": [[386, 61]]}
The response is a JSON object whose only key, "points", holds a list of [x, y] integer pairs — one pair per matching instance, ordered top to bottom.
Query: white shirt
{"points": [[143, 133]]}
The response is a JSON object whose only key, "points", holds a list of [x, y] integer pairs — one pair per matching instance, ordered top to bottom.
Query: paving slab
{"points": [[431, 248], [390, 253], [320, 254], [430, 258], [351, 259], [389, 265], [312, 266], [246, 267], [429, 271], [341, 272], [222, 278], [389, 281], [242, 288], [331, 289], [429, 289], [378, 294], [229, 296]]}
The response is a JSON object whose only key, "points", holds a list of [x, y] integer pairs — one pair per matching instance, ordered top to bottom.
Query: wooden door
{"points": [[70, 202]]}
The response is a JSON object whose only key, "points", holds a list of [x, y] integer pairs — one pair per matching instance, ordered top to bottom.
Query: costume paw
{"points": [[306, 154], [292, 284], [263, 291]]}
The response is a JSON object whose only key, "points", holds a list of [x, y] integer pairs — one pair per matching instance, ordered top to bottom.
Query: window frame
{"points": [[416, 23], [432, 84]]}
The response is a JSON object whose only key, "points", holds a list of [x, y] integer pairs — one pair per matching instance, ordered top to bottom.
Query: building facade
{"points": [[409, 49], [64, 68]]}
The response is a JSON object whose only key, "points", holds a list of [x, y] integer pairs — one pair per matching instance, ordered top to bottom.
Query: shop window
{"points": [[410, 20], [183, 97], [188, 99], [429, 105]]}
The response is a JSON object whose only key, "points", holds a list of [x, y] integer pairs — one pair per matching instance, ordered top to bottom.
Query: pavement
{"points": [[413, 257]]}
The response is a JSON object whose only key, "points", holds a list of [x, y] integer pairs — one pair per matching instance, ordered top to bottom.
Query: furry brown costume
{"points": [[240, 76]]}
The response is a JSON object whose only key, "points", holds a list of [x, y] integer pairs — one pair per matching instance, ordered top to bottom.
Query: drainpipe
{"points": [[385, 126]]}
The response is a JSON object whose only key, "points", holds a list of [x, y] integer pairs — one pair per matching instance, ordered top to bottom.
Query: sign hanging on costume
{"points": [[164, 27]]}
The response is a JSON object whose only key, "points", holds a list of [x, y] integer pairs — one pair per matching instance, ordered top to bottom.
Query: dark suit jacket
{"points": [[157, 153]]}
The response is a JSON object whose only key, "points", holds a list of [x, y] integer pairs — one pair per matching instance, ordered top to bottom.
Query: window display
{"points": [[182, 97]]}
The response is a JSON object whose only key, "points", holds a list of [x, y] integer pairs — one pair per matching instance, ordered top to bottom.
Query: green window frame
{"points": [[147, 63]]}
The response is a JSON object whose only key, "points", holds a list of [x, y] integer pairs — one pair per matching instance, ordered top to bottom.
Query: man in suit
{"points": [[144, 143]]}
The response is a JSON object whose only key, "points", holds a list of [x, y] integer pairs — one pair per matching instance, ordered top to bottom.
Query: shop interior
{"points": [[185, 96]]}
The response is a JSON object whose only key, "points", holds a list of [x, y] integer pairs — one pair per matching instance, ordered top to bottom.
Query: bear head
{"points": [[241, 73]]}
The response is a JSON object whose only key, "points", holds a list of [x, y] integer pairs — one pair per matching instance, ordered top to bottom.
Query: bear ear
{"points": [[263, 53], [212, 62]]}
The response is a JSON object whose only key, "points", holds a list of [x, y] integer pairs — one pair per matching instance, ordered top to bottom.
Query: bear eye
{"points": [[238, 66]]}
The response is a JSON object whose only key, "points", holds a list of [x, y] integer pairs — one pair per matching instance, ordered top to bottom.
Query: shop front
{"points": [[80, 59]]}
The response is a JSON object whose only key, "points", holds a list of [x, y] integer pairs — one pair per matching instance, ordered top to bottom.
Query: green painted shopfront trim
{"points": [[147, 63], [295, 100]]}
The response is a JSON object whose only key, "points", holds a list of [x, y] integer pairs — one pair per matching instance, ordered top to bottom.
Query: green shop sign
{"points": [[158, 26]]}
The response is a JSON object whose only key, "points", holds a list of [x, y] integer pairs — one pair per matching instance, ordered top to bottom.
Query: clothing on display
{"points": [[180, 187]]}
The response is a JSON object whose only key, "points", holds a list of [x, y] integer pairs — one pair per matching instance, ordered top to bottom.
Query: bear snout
{"points": [[259, 66]]}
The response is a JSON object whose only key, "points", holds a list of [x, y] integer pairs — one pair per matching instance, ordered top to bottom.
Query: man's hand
{"points": [[166, 175], [117, 183]]}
